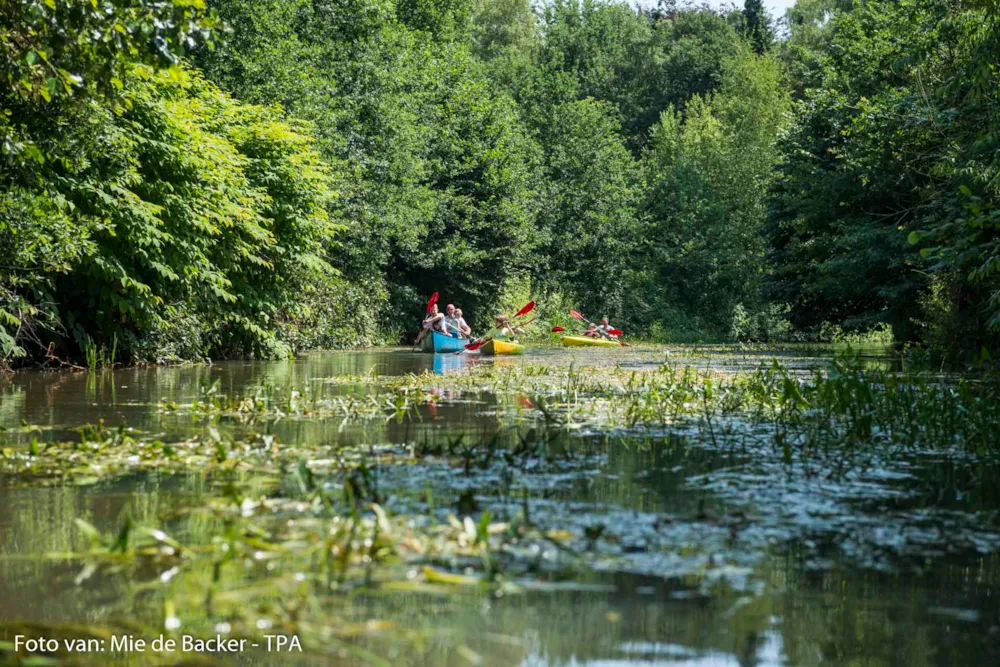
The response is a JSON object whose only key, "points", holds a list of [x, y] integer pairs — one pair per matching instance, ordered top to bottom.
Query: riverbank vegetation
{"points": [[192, 179]]}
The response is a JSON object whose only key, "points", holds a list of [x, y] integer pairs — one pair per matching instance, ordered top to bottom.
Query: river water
{"points": [[709, 555]]}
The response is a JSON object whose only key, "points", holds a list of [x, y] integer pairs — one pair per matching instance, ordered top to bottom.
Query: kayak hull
{"points": [[586, 341], [438, 343], [499, 347]]}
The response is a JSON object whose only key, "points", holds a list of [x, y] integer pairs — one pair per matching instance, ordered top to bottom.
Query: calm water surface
{"points": [[841, 575]]}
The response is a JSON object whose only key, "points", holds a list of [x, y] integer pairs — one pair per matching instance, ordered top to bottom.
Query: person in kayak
{"points": [[435, 321], [451, 321], [463, 326], [605, 329], [502, 330], [592, 331]]}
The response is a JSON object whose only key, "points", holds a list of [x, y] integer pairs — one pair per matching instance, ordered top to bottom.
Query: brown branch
{"points": [[49, 355]]}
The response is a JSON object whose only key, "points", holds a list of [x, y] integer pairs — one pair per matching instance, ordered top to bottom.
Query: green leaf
{"points": [[91, 533]]}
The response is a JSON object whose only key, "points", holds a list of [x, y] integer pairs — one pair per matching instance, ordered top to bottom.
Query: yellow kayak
{"points": [[586, 341], [495, 347]]}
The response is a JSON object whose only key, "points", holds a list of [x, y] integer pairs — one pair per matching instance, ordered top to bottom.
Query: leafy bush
{"points": [[892, 152], [707, 174], [173, 204], [588, 220], [334, 313], [768, 325]]}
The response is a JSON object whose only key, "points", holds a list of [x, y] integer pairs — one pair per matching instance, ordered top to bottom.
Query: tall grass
{"points": [[100, 358]]}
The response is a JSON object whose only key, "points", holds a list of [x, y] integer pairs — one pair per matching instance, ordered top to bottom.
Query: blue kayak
{"points": [[439, 343]]}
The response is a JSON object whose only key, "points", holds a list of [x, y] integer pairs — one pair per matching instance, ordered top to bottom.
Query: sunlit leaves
{"points": [[708, 170], [184, 204], [588, 215]]}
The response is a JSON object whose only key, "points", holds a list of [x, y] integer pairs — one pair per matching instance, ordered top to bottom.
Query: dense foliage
{"points": [[252, 178], [885, 206], [178, 216]]}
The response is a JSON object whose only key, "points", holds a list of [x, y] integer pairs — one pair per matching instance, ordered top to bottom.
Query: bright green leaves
{"points": [[707, 173], [187, 210], [588, 214]]}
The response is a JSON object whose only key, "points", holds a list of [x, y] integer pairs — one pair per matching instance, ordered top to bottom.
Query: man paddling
{"points": [[457, 328], [605, 329], [593, 331]]}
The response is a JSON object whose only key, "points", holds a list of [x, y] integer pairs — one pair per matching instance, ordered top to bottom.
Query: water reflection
{"points": [[449, 363], [126, 396]]}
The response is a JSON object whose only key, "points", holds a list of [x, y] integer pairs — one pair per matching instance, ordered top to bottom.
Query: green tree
{"points": [[757, 25], [504, 29], [806, 48], [51, 49], [639, 62], [895, 146], [439, 163], [708, 171], [588, 218], [185, 223], [474, 227]]}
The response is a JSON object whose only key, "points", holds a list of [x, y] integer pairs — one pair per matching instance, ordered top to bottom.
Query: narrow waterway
{"points": [[699, 551]]}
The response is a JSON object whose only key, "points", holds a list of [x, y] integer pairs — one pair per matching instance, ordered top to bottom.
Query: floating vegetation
{"points": [[268, 404], [847, 405], [563, 492]]}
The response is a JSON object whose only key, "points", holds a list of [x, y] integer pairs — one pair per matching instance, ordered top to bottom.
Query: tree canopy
{"points": [[191, 178]]}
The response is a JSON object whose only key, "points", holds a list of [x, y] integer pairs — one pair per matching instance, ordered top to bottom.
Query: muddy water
{"points": [[708, 554]]}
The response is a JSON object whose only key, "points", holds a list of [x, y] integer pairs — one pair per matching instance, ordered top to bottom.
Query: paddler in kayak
{"points": [[434, 321], [457, 326], [605, 329], [502, 330], [602, 330]]}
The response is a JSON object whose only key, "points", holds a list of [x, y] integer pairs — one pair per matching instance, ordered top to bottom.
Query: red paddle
{"points": [[431, 302], [528, 307], [558, 329], [473, 346]]}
